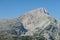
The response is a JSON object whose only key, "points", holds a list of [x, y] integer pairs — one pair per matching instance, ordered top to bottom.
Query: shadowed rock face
{"points": [[33, 23], [12, 26], [18, 29]]}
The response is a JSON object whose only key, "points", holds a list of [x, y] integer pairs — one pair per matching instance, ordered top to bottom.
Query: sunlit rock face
{"points": [[34, 17], [33, 23]]}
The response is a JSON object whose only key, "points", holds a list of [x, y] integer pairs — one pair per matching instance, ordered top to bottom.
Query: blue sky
{"points": [[15, 8]]}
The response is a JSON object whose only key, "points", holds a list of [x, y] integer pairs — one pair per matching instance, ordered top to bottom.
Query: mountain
{"points": [[36, 23]]}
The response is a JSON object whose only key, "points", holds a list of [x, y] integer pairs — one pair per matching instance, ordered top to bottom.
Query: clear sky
{"points": [[15, 8]]}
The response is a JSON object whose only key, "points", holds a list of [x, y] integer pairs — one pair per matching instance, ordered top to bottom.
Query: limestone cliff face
{"points": [[34, 17], [33, 23]]}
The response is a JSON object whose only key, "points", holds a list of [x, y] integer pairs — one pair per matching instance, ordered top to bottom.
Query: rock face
{"points": [[34, 23]]}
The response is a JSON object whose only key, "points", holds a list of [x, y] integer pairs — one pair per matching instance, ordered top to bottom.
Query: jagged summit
{"points": [[39, 10], [43, 10]]}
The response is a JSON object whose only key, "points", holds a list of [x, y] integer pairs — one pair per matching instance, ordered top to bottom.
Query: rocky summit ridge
{"points": [[33, 23]]}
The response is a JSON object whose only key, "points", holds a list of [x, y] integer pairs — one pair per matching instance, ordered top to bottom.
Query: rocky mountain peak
{"points": [[39, 10], [35, 23]]}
